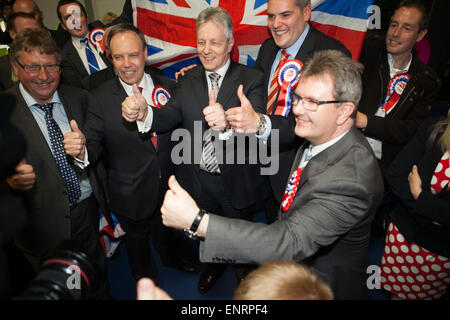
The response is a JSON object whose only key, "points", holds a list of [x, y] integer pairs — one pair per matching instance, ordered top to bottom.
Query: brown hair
{"points": [[29, 40], [283, 280]]}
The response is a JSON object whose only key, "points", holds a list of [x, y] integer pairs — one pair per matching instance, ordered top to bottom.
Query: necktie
{"points": [[91, 59], [274, 87], [153, 136], [56, 138], [309, 153], [208, 156]]}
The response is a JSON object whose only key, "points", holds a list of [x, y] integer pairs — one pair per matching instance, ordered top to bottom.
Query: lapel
{"points": [[308, 46], [76, 60], [229, 84], [199, 88], [33, 132]]}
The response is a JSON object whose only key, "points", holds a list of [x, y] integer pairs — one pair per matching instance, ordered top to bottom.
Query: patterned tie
{"points": [[91, 59], [274, 87], [309, 153], [208, 156], [66, 171]]}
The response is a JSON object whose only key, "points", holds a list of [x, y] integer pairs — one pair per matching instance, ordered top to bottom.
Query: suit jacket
{"points": [[73, 71], [5, 74], [413, 107], [186, 109], [289, 142], [134, 164], [47, 202], [416, 219], [326, 227]]}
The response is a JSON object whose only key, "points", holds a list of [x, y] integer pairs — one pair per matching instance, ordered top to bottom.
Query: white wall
{"points": [[100, 7]]}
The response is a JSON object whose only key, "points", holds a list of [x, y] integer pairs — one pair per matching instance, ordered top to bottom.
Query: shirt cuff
{"points": [[83, 164]]}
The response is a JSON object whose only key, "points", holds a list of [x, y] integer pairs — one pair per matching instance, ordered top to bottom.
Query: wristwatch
{"points": [[262, 124], [192, 231]]}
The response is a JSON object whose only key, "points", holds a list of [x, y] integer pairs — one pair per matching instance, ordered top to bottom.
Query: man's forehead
{"points": [[410, 16], [36, 52]]}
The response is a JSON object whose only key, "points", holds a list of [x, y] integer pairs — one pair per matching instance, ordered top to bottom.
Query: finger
{"points": [[136, 91], [212, 97], [242, 98], [74, 126], [24, 168], [145, 289]]}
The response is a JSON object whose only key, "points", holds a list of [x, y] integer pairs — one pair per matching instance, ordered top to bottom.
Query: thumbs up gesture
{"points": [[135, 107], [214, 114], [243, 119], [75, 142], [24, 178], [179, 209]]}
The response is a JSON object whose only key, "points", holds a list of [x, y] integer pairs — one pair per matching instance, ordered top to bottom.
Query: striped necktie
{"points": [[91, 59], [274, 87], [59, 153], [208, 156]]}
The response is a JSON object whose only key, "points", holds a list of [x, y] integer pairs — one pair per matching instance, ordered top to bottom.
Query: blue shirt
{"points": [[59, 114]]}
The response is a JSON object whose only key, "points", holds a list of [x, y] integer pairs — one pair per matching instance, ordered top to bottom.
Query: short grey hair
{"points": [[301, 3], [220, 17], [29, 40], [345, 73]]}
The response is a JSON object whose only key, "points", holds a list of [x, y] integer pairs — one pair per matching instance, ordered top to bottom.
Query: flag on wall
{"points": [[169, 27]]}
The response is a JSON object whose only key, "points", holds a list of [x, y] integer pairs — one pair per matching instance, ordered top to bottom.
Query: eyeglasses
{"points": [[36, 68], [309, 104]]}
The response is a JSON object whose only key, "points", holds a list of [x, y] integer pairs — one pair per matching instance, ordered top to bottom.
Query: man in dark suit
{"points": [[16, 23], [288, 23], [60, 35], [80, 58], [198, 104], [138, 165], [330, 199], [62, 200]]}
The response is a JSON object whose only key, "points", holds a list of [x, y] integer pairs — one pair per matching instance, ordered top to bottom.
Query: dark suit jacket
{"points": [[314, 41], [5, 73], [413, 107], [186, 109], [134, 165], [47, 202], [416, 218], [326, 227]]}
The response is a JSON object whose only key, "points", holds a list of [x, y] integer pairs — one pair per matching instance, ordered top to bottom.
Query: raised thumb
{"points": [[136, 91], [212, 97], [242, 98], [74, 126], [174, 185]]}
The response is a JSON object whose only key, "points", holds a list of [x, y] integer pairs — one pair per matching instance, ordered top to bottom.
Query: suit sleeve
{"points": [[166, 118], [94, 129], [427, 205], [331, 212]]}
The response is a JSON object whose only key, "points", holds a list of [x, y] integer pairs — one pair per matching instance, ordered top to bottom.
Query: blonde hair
{"points": [[109, 17], [444, 141], [283, 280]]}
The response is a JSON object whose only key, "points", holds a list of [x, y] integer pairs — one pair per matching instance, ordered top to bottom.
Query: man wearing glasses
{"points": [[59, 196], [330, 197]]}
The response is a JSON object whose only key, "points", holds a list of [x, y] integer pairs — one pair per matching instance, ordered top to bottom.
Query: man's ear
{"points": [[422, 34], [345, 111]]}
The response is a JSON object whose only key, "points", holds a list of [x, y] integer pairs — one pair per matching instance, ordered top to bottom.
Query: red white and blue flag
{"points": [[169, 27]]}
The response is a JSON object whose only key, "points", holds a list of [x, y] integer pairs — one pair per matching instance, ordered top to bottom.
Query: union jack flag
{"points": [[169, 27]]}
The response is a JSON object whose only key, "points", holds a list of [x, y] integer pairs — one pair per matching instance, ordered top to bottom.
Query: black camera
{"points": [[65, 274]]}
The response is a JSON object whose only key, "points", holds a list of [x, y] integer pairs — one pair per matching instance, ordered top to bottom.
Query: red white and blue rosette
{"points": [[96, 38], [287, 80], [394, 91], [160, 96], [291, 190]]}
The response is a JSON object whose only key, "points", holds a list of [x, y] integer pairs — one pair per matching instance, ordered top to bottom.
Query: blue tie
{"points": [[91, 59], [56, 138]]}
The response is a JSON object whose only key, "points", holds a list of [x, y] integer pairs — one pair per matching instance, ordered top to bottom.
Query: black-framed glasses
{"points": [[36, 68], [309, 104]]}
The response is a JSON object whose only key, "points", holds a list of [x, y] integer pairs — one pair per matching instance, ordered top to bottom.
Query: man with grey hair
{"points": [[198, 104], [329, 200]]}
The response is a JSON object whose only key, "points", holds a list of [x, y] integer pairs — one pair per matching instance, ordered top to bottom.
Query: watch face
{"points": [[190, 234]]}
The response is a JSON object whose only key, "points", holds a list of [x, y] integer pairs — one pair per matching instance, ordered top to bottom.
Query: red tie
{"points": [[274, 87], [153, 136]]}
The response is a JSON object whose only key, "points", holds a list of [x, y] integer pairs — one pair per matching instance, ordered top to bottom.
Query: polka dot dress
{"points": [[441, 176], [412, 272]]}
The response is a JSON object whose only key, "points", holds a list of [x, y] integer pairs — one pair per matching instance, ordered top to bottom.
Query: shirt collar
{"points": [[77, 42], [222, 71], [394, 71], [145, 84], [30, 101]]}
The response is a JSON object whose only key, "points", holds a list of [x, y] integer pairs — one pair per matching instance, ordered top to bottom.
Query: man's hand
{"points": [[183, 70], [134, 108], [214, 114], [243, 119], [361, 120], [75, 142], [24, 179], [415, 183], [179, 209], [147, 290]]}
